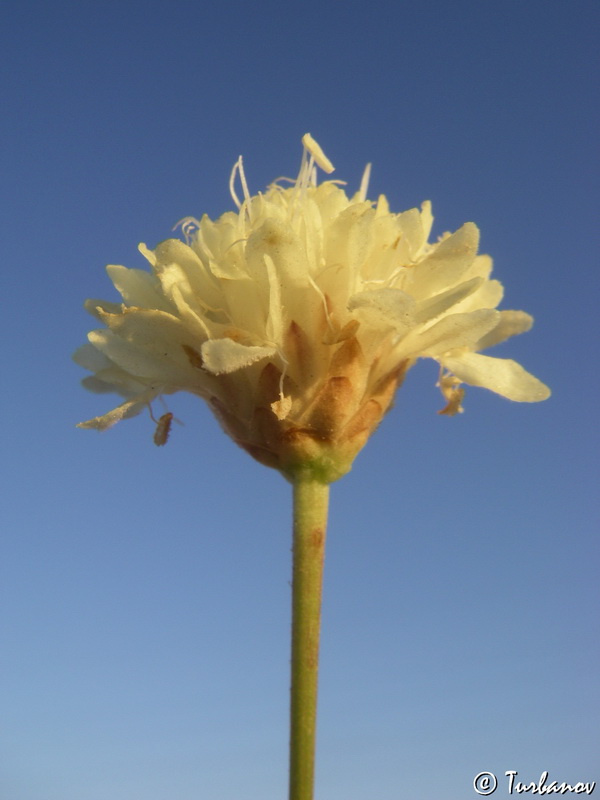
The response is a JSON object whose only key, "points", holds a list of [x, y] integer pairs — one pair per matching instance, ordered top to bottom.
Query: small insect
{"points": [[163, 429]]}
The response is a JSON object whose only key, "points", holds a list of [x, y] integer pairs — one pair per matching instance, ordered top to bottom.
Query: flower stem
{"points": [[310, 521]]}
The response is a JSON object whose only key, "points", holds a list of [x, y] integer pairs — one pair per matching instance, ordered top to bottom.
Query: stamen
{"points": [[317, 153], [306, 166], [236, 167], [243, 182], [275, 183], [301, 184], [364, 184], [189, 225], [233, 244], [317, 288], [286, 364], [282, 407]]}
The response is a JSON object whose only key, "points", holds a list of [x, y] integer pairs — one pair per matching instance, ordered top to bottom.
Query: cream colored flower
{"points": [[297, 316]]}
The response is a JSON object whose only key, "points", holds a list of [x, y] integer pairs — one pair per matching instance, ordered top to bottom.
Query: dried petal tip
{"points": [[297, 316]]}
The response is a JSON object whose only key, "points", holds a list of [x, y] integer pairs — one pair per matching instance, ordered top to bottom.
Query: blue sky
{"points": [[145, 608]]}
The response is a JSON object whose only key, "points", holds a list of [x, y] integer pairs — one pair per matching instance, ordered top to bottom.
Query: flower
{"points": [[297, 317]]}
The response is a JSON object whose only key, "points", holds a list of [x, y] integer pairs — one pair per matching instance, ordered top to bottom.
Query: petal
{"points": [[331, 201], [413, 226], [276, 238], [349, 238], [221, 241], [389, 250], [147, 253], [446, 265], [481, 267], [195, 277], [137, 288], [488, 295], [434, 306], [96, 307], [387, 308], [192, 318], [511, 323], [274, 326], [148, 327], [451, 332], [148, 344], [225, 355], [89, 357], [139, 362], [500, 375], [108, 377], [96, 384], [128, 409]]}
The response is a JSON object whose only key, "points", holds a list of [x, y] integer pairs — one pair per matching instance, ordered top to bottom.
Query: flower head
{"points": [[297, 316]]}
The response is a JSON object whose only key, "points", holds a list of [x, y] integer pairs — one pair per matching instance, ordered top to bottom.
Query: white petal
{"points": [[331, 201], [413, 226], [349, 238], [276, 239], [221, 241], [147, 253], [446, 265], [481, 267], [198, 278], [137, 288], [488, 295], [434, 306], [97, 307], [246, 307], [384, 307], [193, 319], [511, 323], [274, 326], [148, 327], [451, 332], [148, 344], [225, 355], [89, 357], [137, 361], [500, 375], [108, 377], [95, 383], [128, 409]]}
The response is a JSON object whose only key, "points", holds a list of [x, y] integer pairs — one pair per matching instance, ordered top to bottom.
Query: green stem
{"points": [[310, 521]]}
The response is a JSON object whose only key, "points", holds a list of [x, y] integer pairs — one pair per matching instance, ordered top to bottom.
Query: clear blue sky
{"points": [[145, 595]]}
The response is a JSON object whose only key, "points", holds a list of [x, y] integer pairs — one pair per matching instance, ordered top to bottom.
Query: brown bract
{"points": [[324, 438]]}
